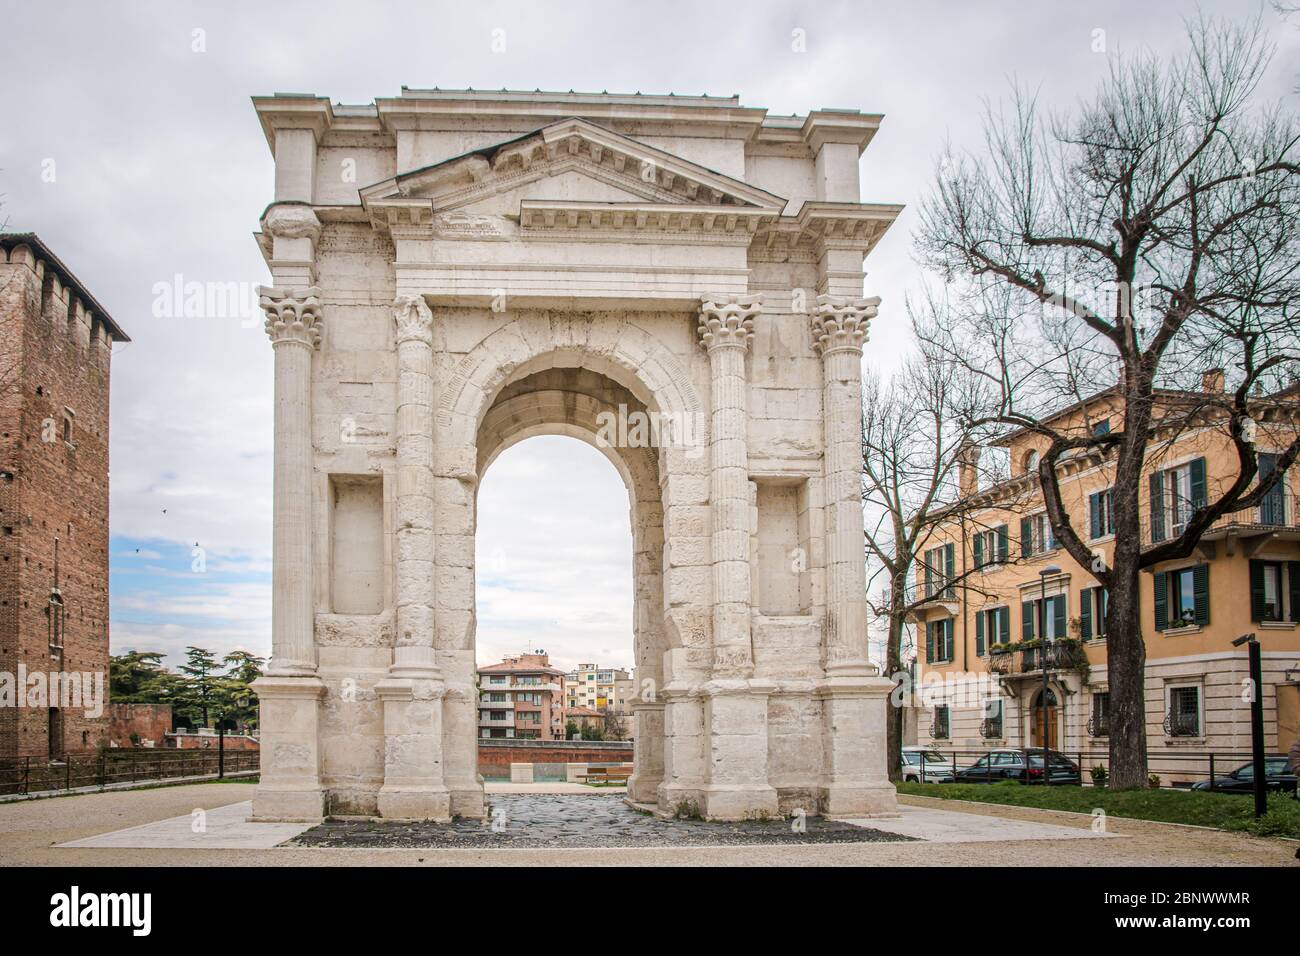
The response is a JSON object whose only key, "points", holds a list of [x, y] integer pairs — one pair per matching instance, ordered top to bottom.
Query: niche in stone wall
{"points": [[357, 544], [780, 556]]}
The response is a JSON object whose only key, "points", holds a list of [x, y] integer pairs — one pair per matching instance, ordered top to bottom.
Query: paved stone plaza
{"points": [[566, 820]]}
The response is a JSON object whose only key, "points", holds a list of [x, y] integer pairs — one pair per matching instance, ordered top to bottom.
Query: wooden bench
{"points": [[606, 775]]}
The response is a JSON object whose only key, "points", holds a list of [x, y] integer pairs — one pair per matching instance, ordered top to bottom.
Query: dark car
{"points": [[1025, 766], [1242, 780]]}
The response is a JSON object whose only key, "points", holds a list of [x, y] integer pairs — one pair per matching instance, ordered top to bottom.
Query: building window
{"points": [[1101, 428], [1031, 461], [1175, 494], [1272, 510], [1100, 517], [1036, 535], [990, 547], [939, 566], [1273, 586], [1182, 597], [1093, 604], [1056, 611], [992, 628], [938, 641], [1184, 716], [1099, 720], [991, 726], [939, 730]]}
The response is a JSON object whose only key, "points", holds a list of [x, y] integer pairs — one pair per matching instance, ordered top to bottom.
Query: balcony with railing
{"points": [[1277, 514], [1028, 657]]}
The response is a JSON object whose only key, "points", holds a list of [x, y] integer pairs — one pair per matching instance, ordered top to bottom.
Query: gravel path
{"points": [[28, 830]]}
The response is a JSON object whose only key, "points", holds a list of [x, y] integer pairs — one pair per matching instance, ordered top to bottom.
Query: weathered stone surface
{"points": [[570, 277]]}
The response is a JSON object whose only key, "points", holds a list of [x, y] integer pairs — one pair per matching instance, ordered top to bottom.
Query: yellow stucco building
{"points": [[987, 600]]}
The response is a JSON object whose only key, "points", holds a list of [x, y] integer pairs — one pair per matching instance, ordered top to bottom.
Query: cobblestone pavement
{"points": [[597, 820]]}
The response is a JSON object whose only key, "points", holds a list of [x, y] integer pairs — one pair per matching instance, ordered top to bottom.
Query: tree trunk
{"points": [[893, 668], [1126, 671]]}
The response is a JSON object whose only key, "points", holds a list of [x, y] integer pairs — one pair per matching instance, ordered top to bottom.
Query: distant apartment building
{"points": [[56, 343], [994, 610], [600, 689], [522, 697]]}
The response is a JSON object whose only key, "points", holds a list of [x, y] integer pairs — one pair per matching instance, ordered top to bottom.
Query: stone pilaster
{"points": [[413, 690], [290, 693], [853, 695], [735, 706]]}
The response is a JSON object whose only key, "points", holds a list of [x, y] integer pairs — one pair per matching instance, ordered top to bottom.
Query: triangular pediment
{"points": [[568, 161]]}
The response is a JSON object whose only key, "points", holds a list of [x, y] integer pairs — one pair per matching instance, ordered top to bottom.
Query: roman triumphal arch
{"points": [[676, 280]]}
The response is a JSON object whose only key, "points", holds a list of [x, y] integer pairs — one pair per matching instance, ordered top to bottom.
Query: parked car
{"points": [[926, 765], [1025, 765], [1242, 780]]}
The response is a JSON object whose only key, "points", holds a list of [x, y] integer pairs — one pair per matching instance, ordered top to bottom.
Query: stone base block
{"points": [[574, 771], [521, 773], [642, 788], [867, 800], [467, 801], [739, 802], [425, 803], [288, 806]]}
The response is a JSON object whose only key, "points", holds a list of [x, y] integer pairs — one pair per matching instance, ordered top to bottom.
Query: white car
{"points": [[918, 761]]}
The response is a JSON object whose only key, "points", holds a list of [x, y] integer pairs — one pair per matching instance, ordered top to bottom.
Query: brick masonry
{"points": [[55, 348]]}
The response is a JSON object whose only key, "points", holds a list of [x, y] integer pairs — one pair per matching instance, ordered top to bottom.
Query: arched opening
{"points": [[612, 422], [553, 589]]}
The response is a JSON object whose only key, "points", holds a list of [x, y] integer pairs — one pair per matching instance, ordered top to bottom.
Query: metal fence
{"points": [[1174, 770], [23, 775]]}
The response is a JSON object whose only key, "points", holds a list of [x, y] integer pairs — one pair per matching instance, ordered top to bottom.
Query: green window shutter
{"points": [[1198, 483], [1157, 506], [1094, 514], [1026, 538], [1002, 543], [977, 548], [949, 565], [929, 576], [1293, 577], [1160, 582], [1257, 591], [1201, 593], [1058, 608], [1085, 613], [1027, 620], [1004, 625], [979, 633], [929, 642]]}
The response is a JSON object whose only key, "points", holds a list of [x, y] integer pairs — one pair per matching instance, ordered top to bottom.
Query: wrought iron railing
{"points": [[1275, 511], [1028, 657], [1182, 725], [1098, 726], [991, 728]]}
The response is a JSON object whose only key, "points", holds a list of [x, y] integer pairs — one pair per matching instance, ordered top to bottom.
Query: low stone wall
{"points": [[150, 723], [496, 755]]}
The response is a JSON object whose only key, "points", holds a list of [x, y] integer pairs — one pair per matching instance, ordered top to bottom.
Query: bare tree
{"points": [[1154, 231], [919, 476]]}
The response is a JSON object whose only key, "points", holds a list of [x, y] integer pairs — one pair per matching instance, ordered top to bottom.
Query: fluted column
{"points": [[293, 324], [726, 329], [413, 646], [290, 692], [854, 696], [735, 705], [414, 787]]}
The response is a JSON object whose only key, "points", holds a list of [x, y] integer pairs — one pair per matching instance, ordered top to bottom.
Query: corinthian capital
{"points": [[292, 316], [414, 319], [727, 321], [841, 323]]}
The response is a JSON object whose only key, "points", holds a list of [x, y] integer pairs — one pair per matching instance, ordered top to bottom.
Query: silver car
{"points": [[926, 765]]}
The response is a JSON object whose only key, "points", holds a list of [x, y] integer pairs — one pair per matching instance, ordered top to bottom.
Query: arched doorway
{"points": [[593, 408], [1052, 722]]}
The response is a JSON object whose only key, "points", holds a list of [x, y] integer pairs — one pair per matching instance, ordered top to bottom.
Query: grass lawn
{"points": [[1221, 810]]}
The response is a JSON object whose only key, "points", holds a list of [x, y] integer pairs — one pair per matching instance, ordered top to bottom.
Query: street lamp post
{"points": [[1043, 575], [1256, 721]]}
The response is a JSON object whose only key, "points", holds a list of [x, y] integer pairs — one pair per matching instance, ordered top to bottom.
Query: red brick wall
{"points": [[59, 490], [147, 721], [209, 742], [502, 757]]}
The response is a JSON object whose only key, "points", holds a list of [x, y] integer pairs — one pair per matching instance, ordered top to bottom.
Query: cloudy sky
{"points": [[130, 145]]}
